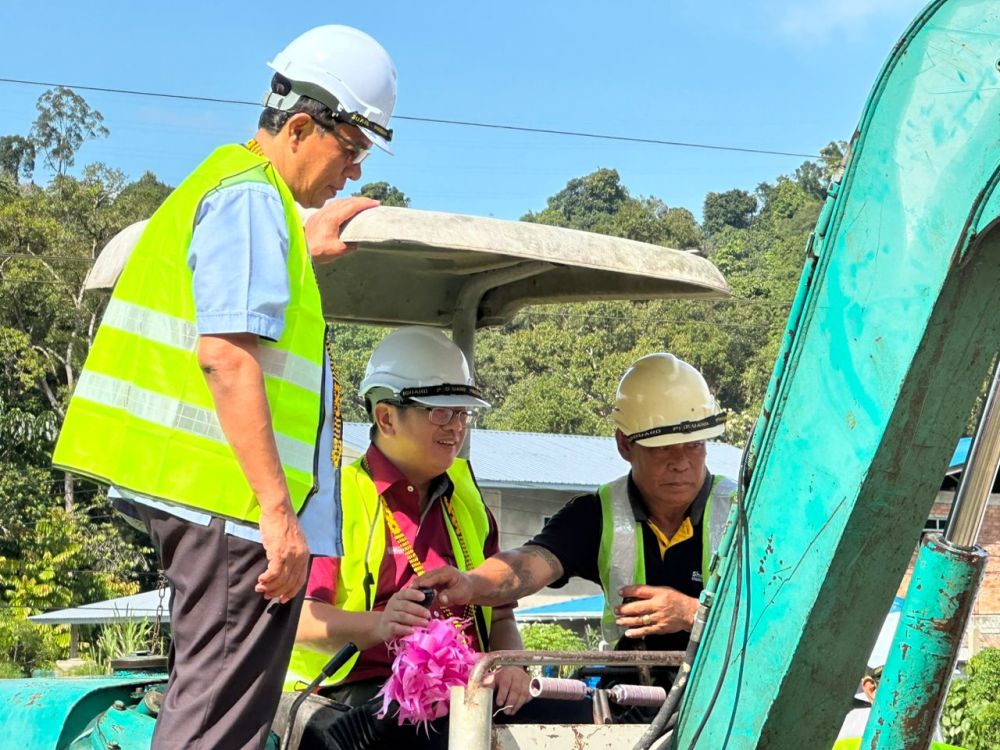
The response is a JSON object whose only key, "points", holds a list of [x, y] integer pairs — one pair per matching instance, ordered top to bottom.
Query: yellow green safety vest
{"points": [[142, 417], [364, 545], [621, 560], [854, 743]]}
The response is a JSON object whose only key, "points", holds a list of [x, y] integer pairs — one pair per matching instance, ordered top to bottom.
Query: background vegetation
{"points": [[551, 369]]}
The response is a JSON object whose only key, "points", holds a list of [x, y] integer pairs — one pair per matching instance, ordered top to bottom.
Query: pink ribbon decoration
{"points": [[428, 662]]}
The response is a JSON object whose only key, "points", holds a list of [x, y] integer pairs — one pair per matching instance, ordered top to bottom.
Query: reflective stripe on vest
{"points": [[182, 334], [172, 413], [142, 416], [364, 548], [621, 560]]}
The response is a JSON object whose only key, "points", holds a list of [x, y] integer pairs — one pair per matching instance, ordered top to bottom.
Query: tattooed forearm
{"points": [[551, 569], [521, 572]]}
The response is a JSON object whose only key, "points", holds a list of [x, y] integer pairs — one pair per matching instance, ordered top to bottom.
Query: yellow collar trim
{"points": [[685, 532]]}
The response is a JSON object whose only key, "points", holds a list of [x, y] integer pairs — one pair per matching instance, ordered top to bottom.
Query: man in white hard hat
{"points": [[207, 400], [410, 505], [647, 537]]}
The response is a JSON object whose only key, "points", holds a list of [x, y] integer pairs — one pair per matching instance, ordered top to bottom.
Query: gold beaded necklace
{"points": [[411, 556]]}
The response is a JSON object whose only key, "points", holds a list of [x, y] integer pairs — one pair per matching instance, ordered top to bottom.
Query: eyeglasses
{"points": [[357, 153], [441, 415]]}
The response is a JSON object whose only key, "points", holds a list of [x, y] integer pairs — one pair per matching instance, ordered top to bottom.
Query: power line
{"points": [[438, 121], [30, 256]]}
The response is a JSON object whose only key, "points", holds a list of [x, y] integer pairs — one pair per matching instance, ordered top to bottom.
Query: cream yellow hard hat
{"points": [[662, 400]]}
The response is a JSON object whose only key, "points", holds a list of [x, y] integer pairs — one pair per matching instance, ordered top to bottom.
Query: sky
{"points": [[781, 75]]}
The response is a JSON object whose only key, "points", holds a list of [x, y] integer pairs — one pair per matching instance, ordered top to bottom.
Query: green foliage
{"points": [[64, 122], [17, 156], [813, 177], [385, 194], [137, 200], [585, 201], [600, 203], [733, 208], [352, 346], [552, 368], [555, 368], [58, 543], [67, 559], [545, 636], [551, 637], [592, 638], [118, 639], [87, 669], [10, 671], [984, 676], [971, 716], [955, 722], [984, 727]]}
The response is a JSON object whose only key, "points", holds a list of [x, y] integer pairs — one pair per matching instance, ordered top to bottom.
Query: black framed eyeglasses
{"points": [[356, 153], [441, 415]]}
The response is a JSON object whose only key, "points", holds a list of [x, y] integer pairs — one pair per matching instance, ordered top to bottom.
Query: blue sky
{"points": [[786, 75]]}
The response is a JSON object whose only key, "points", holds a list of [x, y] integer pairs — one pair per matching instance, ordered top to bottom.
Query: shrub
{"points": [[551, 637], [10, 671], [971, 716]]}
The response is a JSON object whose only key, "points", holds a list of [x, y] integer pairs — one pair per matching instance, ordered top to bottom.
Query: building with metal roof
{"points": [[535, 460]]}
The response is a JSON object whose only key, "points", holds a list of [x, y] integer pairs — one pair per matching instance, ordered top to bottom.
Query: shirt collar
{"points": [[387, 477], [695, 510]]}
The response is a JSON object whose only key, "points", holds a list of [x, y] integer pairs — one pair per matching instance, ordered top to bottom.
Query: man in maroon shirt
{"points": [[420, 396]]}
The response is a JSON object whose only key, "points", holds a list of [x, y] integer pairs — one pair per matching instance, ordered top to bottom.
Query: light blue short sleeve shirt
{"points": [[238, 257]]}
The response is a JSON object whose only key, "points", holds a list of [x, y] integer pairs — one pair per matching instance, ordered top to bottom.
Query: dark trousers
{"points": [[230, 647]]}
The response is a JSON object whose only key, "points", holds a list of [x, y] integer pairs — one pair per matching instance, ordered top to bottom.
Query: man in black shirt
{"points": [[647, 537]]}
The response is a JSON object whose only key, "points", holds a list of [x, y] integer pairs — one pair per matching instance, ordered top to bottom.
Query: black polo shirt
{"points": [[574, 536]]}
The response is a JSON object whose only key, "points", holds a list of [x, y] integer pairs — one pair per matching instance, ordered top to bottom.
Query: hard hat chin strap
{"points": [[286, 99]]}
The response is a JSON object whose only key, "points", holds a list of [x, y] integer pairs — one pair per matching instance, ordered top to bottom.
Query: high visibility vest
{"points": [[142, 417], [364, 545], [621, 559], [854, 743]]}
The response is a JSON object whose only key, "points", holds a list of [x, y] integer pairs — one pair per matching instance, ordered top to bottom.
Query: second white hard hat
{"points": [[346, 70], [421, 364], [662, 400]]}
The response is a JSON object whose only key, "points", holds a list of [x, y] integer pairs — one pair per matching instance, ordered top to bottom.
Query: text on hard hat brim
{"points": [[453, 401], [679, 438]]}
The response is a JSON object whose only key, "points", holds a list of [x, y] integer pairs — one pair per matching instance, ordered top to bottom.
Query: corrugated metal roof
{"points": [[546, 461], [579, 608], [123, 609]]}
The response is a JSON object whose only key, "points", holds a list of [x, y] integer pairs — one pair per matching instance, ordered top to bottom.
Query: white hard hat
{"points": [[346, 70], [421, 364], [662, 400]]}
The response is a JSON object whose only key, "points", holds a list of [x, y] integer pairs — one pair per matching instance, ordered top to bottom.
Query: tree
{"points": [[64, 122], [17, 157], [813, 177], [385, 194], [137, 200], [584, 201], [598, 202], [733, 208], [352, 346], [555, 368], [58, 544], [548, 636]]}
